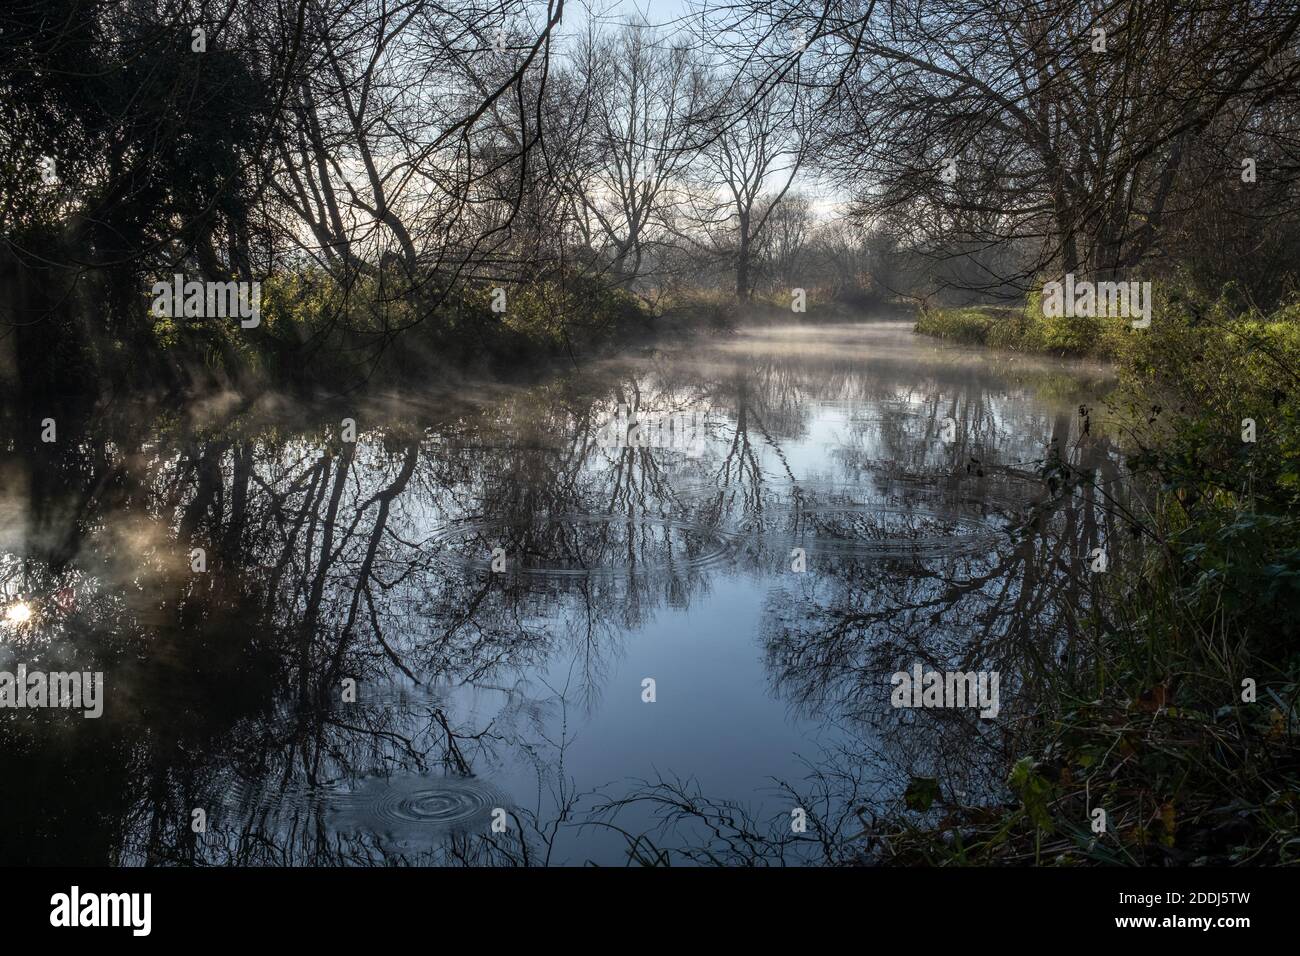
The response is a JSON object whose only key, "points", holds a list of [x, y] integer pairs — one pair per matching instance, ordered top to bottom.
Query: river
{"points": [[495, 629]]}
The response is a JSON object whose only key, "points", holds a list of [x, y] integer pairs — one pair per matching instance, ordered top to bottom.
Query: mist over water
{"points": [[499, 584]]}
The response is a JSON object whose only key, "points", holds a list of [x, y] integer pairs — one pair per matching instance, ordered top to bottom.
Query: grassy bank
{"points": [[1018, 329], [387, 330], [316, 334], [1180, 722]]}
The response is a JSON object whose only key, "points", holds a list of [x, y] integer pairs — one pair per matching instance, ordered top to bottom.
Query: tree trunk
{"points": [[742, 262]]}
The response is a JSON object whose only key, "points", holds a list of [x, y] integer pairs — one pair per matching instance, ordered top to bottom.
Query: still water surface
{"points": [[855, 503]]}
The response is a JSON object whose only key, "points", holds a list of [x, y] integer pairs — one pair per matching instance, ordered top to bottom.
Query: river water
{"points": [[497, 629]]}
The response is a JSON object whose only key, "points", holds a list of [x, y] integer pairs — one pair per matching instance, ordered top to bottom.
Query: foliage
{"points": [[1026, 330], [1160, 730]]}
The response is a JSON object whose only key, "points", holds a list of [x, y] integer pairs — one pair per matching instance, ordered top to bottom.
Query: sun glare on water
{"points": [[18, 613]]}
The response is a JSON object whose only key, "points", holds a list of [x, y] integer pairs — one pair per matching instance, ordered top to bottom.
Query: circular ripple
{"points": [[445, 807], [411, 808]]}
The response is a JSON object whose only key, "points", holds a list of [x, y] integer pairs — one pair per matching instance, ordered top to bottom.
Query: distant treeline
{"points": [[382, 169]]}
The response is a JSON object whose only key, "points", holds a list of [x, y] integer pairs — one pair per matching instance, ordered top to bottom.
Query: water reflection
{"points": [[496, 581]]}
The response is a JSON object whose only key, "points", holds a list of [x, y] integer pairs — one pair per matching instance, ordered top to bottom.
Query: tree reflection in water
{"points": [[329, 562]]}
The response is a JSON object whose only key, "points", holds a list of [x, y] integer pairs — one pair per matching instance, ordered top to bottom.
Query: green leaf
{"points": [[1034, 790], [921, 793]]}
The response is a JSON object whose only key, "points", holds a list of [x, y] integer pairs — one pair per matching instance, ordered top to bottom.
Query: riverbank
{"points": [[1017, 329], [517, 333], [316, 336], [1173, 737]]}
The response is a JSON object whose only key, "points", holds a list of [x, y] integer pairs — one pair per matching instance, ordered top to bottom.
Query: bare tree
{"points": [[1021, 137], [759, 144]]}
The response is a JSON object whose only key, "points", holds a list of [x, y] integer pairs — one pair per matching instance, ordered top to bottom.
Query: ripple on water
{"points": [[414, 808], [402, 809]]}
